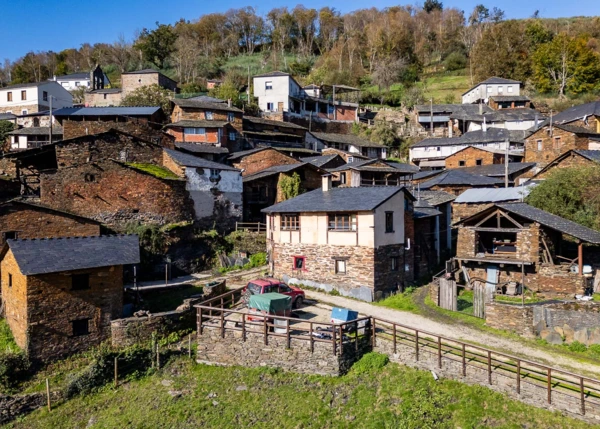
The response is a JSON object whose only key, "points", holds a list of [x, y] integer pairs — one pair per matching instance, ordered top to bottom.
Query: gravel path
{"points": [[461, 332]]}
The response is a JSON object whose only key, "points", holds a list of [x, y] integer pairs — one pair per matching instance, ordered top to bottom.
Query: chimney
{"points": [[54, 78], [229, 102], [480, 108], [536, 122], [484, 126], [326, 178]]}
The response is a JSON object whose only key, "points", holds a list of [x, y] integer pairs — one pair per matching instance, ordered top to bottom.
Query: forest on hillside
{"points": [[386, 52]]}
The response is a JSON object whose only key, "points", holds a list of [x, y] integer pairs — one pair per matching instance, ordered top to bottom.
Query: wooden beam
{"points": [[487, 218], [511, 219], [498, 229], [580, 257]]}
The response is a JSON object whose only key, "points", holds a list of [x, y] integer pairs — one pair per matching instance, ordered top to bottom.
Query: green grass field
{"points": [[444, 88], [189, 395]]}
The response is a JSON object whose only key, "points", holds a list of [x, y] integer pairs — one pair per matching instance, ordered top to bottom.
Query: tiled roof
{"points": [[195, 104], [453, 109], [107, 111], [201, 123], [37, 131], [492, 135], [350, 139], [201, 148], [187, 160], [367, 165], [495, 170], [427, 173], [460, 178], [436, 198], [356, 199], [552, 221], [43, 256]]}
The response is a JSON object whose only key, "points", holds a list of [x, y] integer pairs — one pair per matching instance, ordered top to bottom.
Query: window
{"points": [[77, 83], [268, 85], [489, 89], [509, 89], [500, 90], [23, 95], [45, 95], [9, 96], [105, 96], [270, 107], [24, 112], [208, 115], [230, 117], [200, 131], [232, 136], [556, 142], [539, 144], [438, 148], [350, 159], [478, 162], [461, 163], [89, 178], [343, 178], [389, 221], [290, 222], [342, 222], [10, 235], [299, 263], [394, 263], [340, 266], [9, 280], [80, 281], [283, 288], [81, 327]]}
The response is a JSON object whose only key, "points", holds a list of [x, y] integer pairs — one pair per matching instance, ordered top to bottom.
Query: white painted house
{"points": [[74, 81], [494, 86], [27, 98]]}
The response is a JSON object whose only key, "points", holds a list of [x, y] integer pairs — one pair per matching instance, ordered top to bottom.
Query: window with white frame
{"points": [[268, 85], [490, 89], [500, 89], [509, 89], [270, 107], [208, 115], [230, 117], [190, 130], [540, 144], [290, 222], [342, 222], [340, 266]]}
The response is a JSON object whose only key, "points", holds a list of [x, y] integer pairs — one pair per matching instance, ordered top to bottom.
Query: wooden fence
{"points": [[251, 226], [448, 294], [388, 336]]}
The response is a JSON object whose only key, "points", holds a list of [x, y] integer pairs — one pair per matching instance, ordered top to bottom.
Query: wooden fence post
{"points": [[200, 321], [222, 323], [244, 327], [394, 329], [265, 330], [312, 338], [333, 340], [374, 341], [417, 344], [190, 346], [439, 352], [157, 357], [464, 361], [489, 365], [116, 372], [518, 376], [549, 386], [582, 393], [48, 394]]}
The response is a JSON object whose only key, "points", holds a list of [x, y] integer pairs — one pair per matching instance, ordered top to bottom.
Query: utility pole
{"points": [[248, 88], [431, 116], [50, 136], [506, 165]]}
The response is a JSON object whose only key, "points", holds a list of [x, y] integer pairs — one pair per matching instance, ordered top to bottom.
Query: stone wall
{"points": [[132, 81], [102, 99], [17, 109], [199, 114], [136, 127], [336, 127], [551, 145], [468, 158], [262, 160], [104, 192], [463, 211], [32, 221], [465, 246], [386, 280], [511, 317], [232, 350], [12, 407]]}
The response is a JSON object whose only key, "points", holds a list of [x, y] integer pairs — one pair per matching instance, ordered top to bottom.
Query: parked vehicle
{"points": [[262, 286], [269, 304]]}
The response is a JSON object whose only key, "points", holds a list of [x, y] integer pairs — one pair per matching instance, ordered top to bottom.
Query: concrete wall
{"points": [[283, 87]]}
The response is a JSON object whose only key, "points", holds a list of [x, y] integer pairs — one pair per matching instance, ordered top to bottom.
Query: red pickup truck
{"points": [[260, 286]]}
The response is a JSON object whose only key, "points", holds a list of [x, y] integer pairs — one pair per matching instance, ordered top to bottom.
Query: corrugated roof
{"points": [[107, 111], [350, 139], [201, 148], [195, 161], [493, 195], [357, 199], [552, 221], [44, 256]]}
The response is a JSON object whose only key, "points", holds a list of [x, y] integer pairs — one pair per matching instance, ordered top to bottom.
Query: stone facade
{"points": [[132, 81], [103, 98], [16, 110], [592, 123], [542, 146], [472, 157], [571, 160], [259, 161], [104, 192], [462, 211], [33, 221], [40, 309], [510, 317]]}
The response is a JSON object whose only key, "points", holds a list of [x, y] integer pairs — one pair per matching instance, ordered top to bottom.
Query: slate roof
{"points": [[272, 74], [81, 75], [493, 81], [26, 85], [106, 91], [510, 98], [206, 99], [195, 104], [453, 109], [107, 111], [578, 112], [523, 114], [7, 116], [263, 121], [201, 123], [576, 130], [37, 131], [492, 135], [350, 139], [201, 148], [243, 153], [592, 155], [187, 160], [319, 161], [366, 165], [278, 169], [497, 170], [425, 174], [460, 178], [493, 195], [436, 198], [357, 199], [422, 209], [554, 222], [43, 256]]}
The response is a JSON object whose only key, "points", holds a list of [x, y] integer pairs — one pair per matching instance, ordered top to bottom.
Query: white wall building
{"points": [[74, 81], [493, 86], [273, 91], [27, 98]]}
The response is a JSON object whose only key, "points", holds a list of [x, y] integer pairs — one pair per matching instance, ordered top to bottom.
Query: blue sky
{"points": [[36, 25]]}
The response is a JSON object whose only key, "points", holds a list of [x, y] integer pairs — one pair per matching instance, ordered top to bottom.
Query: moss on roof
{"points": [[154, 170]]}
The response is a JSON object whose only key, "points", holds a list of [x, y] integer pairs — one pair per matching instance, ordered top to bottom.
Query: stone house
{"points": [[130, 81], [492, 87], [104, 97], [26, 98], [499, 102], [584, 116], [196, 120], [445, 120], [267, 132], [29, 138], [550, 141], [348, 143], [209, 152], [345, 155], [473, 156], [571, 159], [255, 160], [325, 161], [373, 172], [457, 181], [215, 188], [263, 189], [441, 201], [473, 201], [28, 219], [353, 240], [515, 242], [59, 295]]}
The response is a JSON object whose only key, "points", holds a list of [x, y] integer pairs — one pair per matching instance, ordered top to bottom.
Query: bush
{"points": [[455, 61], [258, 259], [576, 346], [595, 350], [370, 362], [14, 366]]}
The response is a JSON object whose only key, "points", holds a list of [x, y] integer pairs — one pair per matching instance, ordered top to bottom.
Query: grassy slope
{"points": [[442, 86], [7, 342], [395, 396]]}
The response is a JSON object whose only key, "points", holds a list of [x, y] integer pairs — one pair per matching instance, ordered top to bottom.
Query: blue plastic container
{"points": [[339, 315]]}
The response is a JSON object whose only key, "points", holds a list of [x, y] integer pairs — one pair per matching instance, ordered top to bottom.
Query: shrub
{"points": [[455, 61], [258, 259], [576, 346], [595, 350], [370, 362], [14, 366]]}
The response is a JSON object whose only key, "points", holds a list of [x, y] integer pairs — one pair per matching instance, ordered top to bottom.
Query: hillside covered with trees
{"points": [[389, 52]]}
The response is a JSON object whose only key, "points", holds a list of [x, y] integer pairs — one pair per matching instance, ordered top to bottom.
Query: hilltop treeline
{"points": [[378, 47]]}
